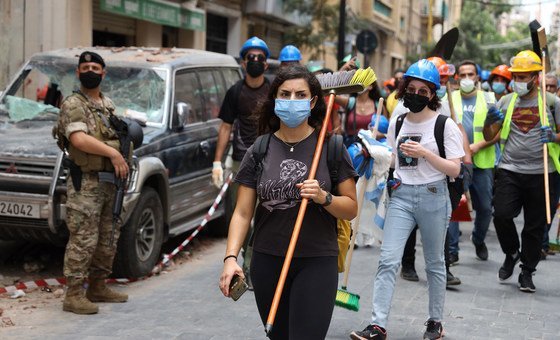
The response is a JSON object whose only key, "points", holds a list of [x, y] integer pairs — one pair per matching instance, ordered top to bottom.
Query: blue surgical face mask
{"points": [[498, 88], [442, 91], [292, 112]]}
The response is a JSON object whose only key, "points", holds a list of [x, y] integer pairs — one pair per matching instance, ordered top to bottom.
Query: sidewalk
{"points": [[186, 303], [479, 308]]}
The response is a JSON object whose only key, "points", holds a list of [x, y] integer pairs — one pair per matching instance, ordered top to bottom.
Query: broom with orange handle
{"points": [[343, 82]]}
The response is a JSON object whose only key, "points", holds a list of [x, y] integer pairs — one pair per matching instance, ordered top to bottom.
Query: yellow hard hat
{"points": [[525, 61]]}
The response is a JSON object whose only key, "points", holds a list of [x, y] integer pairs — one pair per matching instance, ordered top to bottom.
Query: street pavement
{"points": [[187, 304]]}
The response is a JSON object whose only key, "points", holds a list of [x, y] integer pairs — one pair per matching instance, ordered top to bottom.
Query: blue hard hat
{"points": [[254, 42], [289, 53], [424, 70], [484, 75], [383, 123]]}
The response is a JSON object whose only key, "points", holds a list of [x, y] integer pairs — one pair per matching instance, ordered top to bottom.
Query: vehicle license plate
{"points": [[19, 209]]}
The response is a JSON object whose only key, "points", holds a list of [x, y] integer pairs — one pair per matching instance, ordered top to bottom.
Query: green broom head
{"points": [[347, 82], [554, 245], [347, 300]]}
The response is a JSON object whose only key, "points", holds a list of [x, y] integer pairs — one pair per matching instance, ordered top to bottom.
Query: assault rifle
{"points": [[130, 136]]}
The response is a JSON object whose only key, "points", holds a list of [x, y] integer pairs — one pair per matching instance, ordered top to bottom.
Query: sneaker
{"points": [[481, 250], [453, 259], [506, 270], [409, 274], [452, 280], [526, 282], [434, 330], [370, 332]]}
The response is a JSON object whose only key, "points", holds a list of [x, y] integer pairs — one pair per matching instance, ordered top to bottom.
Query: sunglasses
{"points": [[258, 57], [421, 91]]}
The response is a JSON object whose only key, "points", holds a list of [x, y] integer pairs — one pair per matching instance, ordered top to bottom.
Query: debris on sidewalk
{"points": [[17, 294]]}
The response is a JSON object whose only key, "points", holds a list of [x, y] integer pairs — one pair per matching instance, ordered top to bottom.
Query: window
{"points": [[381, 8], [216, 33], [231, 77], [187, 90], [211, 92]]}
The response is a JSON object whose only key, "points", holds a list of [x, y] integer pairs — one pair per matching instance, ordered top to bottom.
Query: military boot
{"points": [[99, 292], [75, 300]]}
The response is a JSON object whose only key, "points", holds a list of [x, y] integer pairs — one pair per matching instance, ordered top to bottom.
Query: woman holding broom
{"points": [[292, 114], [421, 198]]}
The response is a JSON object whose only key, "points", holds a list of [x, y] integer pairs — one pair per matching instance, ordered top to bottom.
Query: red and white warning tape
{"points": [[157, 268]]}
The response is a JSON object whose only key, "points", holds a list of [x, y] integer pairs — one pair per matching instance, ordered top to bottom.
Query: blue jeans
{"points": [[481, 195], [428, 206]]}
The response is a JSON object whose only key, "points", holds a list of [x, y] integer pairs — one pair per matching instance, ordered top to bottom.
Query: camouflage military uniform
{"points": [[89, 211]]}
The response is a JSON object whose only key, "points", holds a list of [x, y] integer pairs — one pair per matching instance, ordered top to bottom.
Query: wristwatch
{"points": [[328, 199]]}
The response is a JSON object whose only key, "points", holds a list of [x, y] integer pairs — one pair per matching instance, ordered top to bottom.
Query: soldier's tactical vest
{"points": [[103, 132], [553, 148], [485, 158]]}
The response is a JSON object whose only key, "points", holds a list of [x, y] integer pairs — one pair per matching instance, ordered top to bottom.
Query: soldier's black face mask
{"points": [[255, 68], [90, 79]]}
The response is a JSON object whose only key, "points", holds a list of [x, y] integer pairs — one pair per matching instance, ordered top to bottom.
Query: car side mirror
{"points": [[180, 118]]}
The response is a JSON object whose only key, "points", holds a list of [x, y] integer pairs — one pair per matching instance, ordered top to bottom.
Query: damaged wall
{"points": [[31, 26], [11, 39]]}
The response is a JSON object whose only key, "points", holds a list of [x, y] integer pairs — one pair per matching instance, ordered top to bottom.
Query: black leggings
{"points": [[307, 302]]}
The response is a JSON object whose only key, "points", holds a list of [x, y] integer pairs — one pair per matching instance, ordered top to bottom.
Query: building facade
{"points": [[31, 26]]}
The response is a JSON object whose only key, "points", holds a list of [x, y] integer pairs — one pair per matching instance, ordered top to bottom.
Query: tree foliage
{"points": [[321, 27], [477, 28]]}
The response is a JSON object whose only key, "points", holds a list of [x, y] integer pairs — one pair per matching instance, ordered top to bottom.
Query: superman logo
{"points": [[525, 118]]}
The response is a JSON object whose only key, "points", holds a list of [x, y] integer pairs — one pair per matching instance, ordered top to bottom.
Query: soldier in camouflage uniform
{"points": [[93, 146]]}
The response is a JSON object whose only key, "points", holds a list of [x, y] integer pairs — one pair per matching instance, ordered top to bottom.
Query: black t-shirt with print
{"points": [[242, 117], [279, 198]]}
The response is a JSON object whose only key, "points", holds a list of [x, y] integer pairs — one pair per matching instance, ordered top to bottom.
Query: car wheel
{"points": [[141, 237]]}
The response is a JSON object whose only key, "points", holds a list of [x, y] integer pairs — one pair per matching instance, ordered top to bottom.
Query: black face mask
{"points": [[255, 68], [90, 79], [415, 102]]}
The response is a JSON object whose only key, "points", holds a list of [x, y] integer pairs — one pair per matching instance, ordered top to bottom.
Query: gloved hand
{"points": [[494, 115], [547, 135], [217, 174], [467, 174]]}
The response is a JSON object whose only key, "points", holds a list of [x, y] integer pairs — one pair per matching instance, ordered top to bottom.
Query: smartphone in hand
{"points": [[237, 287]]}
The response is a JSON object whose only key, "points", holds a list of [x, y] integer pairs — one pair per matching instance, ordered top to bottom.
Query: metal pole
{"points": [[430, 21], [341, 31]]}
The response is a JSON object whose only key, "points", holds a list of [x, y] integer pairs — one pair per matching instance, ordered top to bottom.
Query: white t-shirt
{"points": [[418, 170]]}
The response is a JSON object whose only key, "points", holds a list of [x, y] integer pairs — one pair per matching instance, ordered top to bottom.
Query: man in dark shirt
{"points": [[237, 112]]}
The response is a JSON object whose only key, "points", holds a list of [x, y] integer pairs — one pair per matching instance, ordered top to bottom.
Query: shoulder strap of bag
{"points": [[236, 93], [398, 126], [439, 129], [260, 148]]}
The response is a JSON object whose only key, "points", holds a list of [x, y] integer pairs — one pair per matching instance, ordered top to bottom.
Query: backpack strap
{"points": [[236, 91], [398, 126], [439, 129], [260, 147], [335, 147]]}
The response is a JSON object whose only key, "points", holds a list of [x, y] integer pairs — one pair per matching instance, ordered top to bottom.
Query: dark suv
{"points": [[178, 92]]}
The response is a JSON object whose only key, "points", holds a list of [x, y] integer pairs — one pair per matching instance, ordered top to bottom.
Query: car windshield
{"points": [[38, 92]]}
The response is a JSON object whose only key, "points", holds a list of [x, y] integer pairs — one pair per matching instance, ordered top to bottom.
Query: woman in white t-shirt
{"points": [[421, 197]]}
